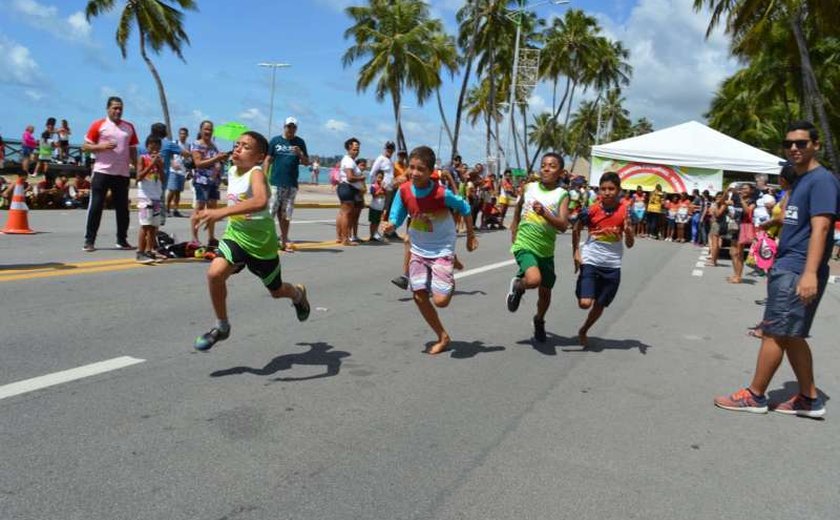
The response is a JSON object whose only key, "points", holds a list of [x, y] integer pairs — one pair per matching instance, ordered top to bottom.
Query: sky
{"points": [[54, 63]]}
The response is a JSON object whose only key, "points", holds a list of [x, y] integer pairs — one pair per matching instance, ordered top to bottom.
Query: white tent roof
{"points": [[694, 145]]}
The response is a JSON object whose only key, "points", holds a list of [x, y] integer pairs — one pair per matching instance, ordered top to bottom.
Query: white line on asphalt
{"points": [[702, 257], [700, 264], [483, 269], [697, 272], [56, 378]]}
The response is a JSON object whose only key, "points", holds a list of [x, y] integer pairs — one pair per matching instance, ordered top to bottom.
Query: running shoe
{"points": [[177, 213], [212, 243], [125, 246], [88, 247], [143, 258], [401, 281], [514, 295], [302, 307], [539, 330], [208, 339], [742, 401], [802, 406]]}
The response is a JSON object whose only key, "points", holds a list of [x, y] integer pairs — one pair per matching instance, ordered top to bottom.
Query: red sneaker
{"points": [[742, 401], [801, 406]]}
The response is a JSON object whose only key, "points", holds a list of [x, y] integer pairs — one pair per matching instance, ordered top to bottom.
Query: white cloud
{"points": [[74, 27], [17, 67], [675, 69], [34, 95], [256, 119], [335, 125]]}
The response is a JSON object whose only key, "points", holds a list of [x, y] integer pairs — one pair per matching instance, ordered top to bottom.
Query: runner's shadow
{"points": [[45, 265], [462, 293], [600, 344], [549, 348], [466, 350], [317, 355], [788, 390]]}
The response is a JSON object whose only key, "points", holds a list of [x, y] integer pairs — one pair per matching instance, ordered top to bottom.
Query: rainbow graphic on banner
{"points": [[673, 179]]}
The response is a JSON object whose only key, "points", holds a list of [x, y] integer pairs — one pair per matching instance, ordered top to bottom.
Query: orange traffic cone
{"points": [[18, 223]]}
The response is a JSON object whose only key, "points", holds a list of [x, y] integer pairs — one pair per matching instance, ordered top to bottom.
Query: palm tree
{"points": [[748, 21], [158, 25], [395, 37], [445, 57], [615, 116], [642, 126], [582, 129], [545, 133]]}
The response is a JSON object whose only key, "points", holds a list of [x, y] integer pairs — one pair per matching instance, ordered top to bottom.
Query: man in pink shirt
{"points": [[114, 142]]}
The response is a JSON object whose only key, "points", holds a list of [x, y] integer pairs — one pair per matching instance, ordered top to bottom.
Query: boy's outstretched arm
{"points": [[256, 203], [517, 216], [629, 233], [576, 244]]}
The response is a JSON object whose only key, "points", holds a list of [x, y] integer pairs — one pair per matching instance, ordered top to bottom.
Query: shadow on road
{"points": [[45, 265], [461, 293], [572, 345], [466, 350], [318, 354]]}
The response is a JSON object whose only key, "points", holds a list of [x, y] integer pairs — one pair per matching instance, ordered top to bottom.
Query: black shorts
{"points": [[346, 193], [267, 270], [598, 283], [784, 314]]}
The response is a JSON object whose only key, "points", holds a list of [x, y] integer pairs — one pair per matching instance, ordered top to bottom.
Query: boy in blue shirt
{"points": [[432, 234], [796, 282]]}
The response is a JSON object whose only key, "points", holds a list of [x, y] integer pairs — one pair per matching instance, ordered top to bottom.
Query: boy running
{"points": [[546, 210], [432, 235], [250, 239], [599, 259]]}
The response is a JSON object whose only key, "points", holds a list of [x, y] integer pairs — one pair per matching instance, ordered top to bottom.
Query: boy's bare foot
{"points": [[583, 338], [440, 346]]}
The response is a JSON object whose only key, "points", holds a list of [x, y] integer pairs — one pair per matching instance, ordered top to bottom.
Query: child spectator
{"points": [[64, 140], [28, 146], [45, 149], [208, 160], [80, 192], [149, 193], [377, 204], [671, 205], [546, 210], [490, 214], [683, 216], [432, 234], [250, 239], [599, 258]]}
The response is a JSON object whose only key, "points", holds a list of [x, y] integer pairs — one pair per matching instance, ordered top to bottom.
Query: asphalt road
{"points": [[343, 417]]}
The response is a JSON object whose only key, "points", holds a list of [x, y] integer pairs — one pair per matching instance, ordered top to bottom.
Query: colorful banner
{"points": [[673, 179]]}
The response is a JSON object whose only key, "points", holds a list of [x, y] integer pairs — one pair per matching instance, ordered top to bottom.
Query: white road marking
{"points": [[703, 257], [700, 264], [484, 269], [697, 272], [64, 376]]}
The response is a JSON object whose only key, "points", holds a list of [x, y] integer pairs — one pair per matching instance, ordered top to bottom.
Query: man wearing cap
{"points": [[285, 154]]}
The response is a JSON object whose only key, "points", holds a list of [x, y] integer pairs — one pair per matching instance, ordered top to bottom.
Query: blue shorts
{"points": [[26, 151], [175, 182], [206, 192], [598, 283], [785, 315]]}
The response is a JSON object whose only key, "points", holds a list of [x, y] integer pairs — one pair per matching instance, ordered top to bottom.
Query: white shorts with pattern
{"points": [[282, 201]]}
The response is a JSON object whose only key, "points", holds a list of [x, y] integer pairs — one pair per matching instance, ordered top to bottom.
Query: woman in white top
{"points": [[351, 186]]}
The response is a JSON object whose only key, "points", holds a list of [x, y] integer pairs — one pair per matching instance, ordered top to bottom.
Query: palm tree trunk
{"points": [[812, 89], [161, 93], [463, 94], [397, 99], [569, 107], [443, 116]]}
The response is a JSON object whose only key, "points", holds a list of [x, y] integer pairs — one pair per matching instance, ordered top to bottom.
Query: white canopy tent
{"points": [[693, 145]]}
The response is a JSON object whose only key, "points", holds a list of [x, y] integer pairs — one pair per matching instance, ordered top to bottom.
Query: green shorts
{"points": [[526, 259]]}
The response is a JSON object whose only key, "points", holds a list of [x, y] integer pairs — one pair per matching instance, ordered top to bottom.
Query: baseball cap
{"points": [[290, 121], [389, 145]]}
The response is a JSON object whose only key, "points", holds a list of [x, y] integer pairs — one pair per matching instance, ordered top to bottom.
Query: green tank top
{"points": [[254, 232]]}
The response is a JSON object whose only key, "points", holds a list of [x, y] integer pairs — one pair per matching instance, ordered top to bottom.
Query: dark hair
{"points": [[113, 99], [51, 121], [202, 124], [804, 125], [158, 129], [184, 129], [152, 139], [262, 142], [348, 143], [425, 154], [556, 156], [457, 158], [788, 174], [610, 177]]}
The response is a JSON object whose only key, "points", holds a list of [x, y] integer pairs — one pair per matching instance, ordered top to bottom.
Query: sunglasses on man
{"points": [[801, 144]]}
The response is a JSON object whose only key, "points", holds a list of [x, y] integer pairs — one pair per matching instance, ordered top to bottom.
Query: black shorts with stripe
{"points": [[267, 270]]}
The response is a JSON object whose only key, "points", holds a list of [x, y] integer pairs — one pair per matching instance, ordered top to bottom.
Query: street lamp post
{"points": [[516, 17], [273, 66]]}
